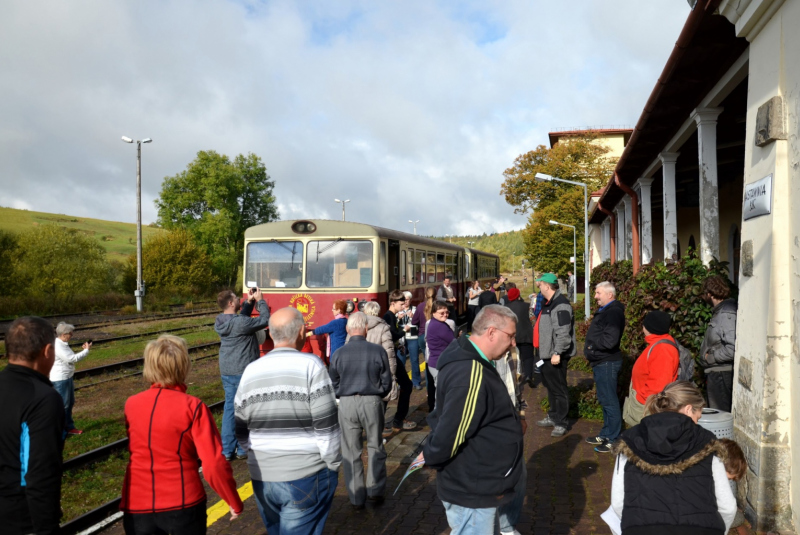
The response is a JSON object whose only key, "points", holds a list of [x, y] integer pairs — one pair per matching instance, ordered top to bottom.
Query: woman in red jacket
{"points": [[169, 433]]}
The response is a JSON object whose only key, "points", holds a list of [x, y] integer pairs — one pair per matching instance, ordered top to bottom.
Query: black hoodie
{"points": [[476, 437], [669, 485]]}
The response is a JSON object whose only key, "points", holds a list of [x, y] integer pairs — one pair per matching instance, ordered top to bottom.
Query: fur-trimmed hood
{"points": [[667, 443]]}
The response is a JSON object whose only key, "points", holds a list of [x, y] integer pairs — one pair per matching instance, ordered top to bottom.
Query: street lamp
{"points": [[547, 178], [343, 203], [415, 225], [449, 236], [574, 256], [139, 292]]}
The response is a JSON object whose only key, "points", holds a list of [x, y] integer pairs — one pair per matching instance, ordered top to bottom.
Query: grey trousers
{"points": [[357, 413]]}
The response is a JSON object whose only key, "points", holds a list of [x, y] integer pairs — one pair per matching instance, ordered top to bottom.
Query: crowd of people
{"points": [[298, 419]]}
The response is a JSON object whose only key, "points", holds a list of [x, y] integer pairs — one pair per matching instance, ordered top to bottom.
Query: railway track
{"points": [[126, 375]]}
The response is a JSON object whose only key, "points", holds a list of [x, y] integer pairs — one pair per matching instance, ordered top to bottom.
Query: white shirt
{"points": [[64, 366]]}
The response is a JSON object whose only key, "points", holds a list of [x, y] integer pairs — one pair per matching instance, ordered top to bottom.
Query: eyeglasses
{"points": [[507, 334]]}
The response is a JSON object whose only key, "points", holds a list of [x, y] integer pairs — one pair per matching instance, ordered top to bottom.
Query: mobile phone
{"points": [[89, 341]]}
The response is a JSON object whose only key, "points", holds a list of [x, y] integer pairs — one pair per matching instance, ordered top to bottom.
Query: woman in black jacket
{"points": [[669, 477]]}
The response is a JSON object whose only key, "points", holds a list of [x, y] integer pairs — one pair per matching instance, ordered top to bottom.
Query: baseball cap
{"points": [[548, 277]]}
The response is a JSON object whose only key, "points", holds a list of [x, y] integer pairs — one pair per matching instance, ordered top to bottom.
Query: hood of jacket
{"points": [[728, 306], [374, 321], [223, 325], [667, 443]]}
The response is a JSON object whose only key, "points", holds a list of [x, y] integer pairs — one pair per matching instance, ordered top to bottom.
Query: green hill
{"points": [[118, 239], [507, 245]]}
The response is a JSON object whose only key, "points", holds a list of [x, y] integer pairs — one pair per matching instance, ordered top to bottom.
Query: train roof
{"points": [[328, 227]]}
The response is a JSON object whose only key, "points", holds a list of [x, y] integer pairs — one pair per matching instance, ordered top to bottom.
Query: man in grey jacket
{"points": [[554, 343], [238, 348], [717, 351], [361, 377]]}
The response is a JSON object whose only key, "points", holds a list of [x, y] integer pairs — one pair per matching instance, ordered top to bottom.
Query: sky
{"points": [[412, 110]]}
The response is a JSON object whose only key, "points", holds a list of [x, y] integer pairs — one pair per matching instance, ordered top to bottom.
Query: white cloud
{"points": [[412, 110]]}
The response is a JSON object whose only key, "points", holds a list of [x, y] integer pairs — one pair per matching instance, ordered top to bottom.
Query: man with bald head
{"points": [[288, 423]]}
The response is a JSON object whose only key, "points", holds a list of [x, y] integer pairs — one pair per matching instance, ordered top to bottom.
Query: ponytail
{"points": [[674, 397]]}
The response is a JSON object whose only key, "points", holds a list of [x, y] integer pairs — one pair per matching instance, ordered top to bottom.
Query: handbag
{"points": [[632, 409]]}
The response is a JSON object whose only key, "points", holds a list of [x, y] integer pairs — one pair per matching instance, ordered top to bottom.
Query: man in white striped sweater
{"points": [[287, 421]]}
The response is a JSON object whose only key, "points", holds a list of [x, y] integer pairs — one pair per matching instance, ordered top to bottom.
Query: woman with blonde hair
{"points": [[169, 433], [670, 473]]}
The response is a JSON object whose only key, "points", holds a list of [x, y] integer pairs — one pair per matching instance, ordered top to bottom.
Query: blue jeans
{"points": [[413, 353], [605, 378], [67, 390], [229, 445], [298, 507], [509, 513], [466, 521]]}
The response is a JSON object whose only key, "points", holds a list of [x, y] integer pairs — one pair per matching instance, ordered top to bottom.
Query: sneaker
{"points": [[418, 387], [547, 422], [406, 426], [559, 431], [74, 432], [387, 432], [596, 441], [603, 448], [241, 456], [377, 500], [357, 506], [513, 532]]}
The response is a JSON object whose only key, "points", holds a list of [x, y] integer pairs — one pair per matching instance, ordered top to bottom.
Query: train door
{"points": [[394, 265]]}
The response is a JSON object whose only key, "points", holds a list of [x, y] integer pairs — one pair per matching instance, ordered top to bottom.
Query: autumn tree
{"points": [[579, 159], [216, 200], [172, 263]]}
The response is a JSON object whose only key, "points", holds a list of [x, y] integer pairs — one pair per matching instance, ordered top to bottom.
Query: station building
{"points": [[713, 164]]}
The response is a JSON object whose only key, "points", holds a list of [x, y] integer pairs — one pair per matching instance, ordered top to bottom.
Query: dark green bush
{"points": [[582, 402]]}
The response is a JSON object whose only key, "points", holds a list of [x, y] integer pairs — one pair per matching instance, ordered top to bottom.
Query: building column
{"points": [[706, 119], [668, 161], [642, 187], [620, 211], [628, 228], [606, 229]]}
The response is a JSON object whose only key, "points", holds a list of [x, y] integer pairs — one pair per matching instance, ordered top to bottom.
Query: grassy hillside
{"points": [[119, 239], [508, 245]]}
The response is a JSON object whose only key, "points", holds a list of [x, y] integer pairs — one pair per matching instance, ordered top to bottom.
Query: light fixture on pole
{"points": [[547, 178], [343, 203], [415, 225], [450, 236], [574, 256], [139, 292]]}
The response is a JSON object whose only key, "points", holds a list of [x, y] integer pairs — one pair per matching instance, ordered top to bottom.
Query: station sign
{"points": [[757, 198]]}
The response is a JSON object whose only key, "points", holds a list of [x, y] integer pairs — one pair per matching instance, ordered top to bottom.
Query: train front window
{"points": [[275, 264], [339, 264]]}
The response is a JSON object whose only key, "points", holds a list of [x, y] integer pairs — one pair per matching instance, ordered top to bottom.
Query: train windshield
{"points": [[275, 264], [339, 264]]}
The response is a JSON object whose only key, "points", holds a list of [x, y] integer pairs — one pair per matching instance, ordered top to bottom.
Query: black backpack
{"points": [[685, 360]]}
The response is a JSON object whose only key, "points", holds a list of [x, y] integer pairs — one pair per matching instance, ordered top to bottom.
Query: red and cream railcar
{"points": [[309, 264]]}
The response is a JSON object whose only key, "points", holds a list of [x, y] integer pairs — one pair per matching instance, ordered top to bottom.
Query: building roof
{"points": [[706, 48]]}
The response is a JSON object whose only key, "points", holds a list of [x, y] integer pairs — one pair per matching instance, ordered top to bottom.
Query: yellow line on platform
{"points": [[220, 509]]}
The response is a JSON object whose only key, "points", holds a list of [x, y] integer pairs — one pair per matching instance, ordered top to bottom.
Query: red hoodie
{"points": [[651, 375], [169, 431]]}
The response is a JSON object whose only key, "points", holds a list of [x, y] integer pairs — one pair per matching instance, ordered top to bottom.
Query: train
{"points": [[310, 263]]}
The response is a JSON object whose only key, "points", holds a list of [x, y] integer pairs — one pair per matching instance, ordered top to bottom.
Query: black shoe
{"points": [[596, 441], [603, 448], [377, 500], [357, 506]]}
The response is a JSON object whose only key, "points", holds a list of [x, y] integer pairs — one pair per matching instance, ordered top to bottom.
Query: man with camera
{"points": [[238, 348]]}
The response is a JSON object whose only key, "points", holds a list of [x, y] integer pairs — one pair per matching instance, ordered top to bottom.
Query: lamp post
{"points": [[547, 178], [343, 203], [415, 225], [450, 236], [574, 255], [139, 293]]}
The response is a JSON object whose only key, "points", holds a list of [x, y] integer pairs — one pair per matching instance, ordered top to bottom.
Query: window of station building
{"points": [[275, 264], [340, 264], [419, 266]]}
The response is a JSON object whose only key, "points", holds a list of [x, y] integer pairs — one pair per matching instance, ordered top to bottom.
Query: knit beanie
{"points": [[513, 294], [657, 322]]}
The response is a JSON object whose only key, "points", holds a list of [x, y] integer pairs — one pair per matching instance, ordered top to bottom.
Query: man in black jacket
{"points": [[489, 295], [524, 333], [603, 353], [361, 378], [31, 431], [476, 433]]}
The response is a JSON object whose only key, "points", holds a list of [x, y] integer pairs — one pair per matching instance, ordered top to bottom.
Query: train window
{"points": [[440, 258], [275, 264], [339, 264], [383, 264], [419, 267], [430, 267], [466, 268], [403, 269]]}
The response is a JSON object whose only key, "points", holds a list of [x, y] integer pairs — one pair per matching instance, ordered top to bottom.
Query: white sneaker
{"points": [[515, 532]]}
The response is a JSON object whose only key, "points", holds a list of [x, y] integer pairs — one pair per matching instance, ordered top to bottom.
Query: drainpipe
{"points": [[612, 232], [637, 254]]}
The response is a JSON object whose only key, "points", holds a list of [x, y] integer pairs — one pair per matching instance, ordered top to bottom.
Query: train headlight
{"points": [[304, 227], [361, 305], [350, 306]]}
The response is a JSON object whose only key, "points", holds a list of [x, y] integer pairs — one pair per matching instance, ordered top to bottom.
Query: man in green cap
{"points": [[554, 344]]}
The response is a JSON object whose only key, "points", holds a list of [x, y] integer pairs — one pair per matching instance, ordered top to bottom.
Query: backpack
{"points": [[685, 360]]}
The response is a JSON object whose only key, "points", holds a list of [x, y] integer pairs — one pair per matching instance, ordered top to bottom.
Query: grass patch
{"points": [[582, 402], [96, 433], [90, 487]]}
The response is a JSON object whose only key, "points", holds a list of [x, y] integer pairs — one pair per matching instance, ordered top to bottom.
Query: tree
{"points": [[580, 159], [216, 200], [9, 249], [61, 263], [172, 263]]}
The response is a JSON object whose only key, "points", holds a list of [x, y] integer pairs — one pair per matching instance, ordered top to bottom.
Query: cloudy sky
{"points": [[412, 109]]}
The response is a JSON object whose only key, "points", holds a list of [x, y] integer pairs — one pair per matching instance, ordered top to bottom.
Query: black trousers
{"points": [[472, 311], [526, 359], [554, 379], [406, 386], [719, 388], [431, 390], [189, 521]]}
